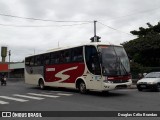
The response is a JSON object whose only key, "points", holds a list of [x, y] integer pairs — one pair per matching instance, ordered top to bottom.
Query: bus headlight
{"points": [[107, 81], [151, 83]]}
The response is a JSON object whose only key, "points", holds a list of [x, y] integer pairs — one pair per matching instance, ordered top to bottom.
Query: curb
{"points": [[133, 86]]}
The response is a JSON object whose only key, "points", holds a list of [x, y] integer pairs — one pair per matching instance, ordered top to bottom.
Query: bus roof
{"points": [[69, 47]]}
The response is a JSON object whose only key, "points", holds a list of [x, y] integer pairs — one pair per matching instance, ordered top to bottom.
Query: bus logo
{"points": [[50, 69], [64, 76]]}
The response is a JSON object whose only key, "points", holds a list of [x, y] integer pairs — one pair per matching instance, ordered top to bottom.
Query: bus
{"points": [[92, 66]]}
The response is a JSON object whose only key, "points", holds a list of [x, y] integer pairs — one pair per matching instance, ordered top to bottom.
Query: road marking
{"points": [[127, 90], [60, 92], [47, 93], [64, 94], [52, 96], [31, 97], [11, 98], [3, 102]]}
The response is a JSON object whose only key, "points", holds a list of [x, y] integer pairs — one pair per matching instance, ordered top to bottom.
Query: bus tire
{"points": [[41, 84], [82, 88], [139, 88], [156, 89], [105, 92]]}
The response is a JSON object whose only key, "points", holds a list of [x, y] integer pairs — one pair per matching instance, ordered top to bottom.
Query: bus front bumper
{"points": [[112, 86]]}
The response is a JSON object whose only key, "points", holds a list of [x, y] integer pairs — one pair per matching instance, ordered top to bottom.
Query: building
{"points": [[3, 67], [12, 70], [16, 70]]}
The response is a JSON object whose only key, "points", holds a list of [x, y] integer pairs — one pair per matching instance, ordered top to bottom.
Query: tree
{"points": [[146, 31], [145, 50]]}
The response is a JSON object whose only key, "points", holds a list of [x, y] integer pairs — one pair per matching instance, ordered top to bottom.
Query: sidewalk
{"points": [[15, 79], [133, 86]]}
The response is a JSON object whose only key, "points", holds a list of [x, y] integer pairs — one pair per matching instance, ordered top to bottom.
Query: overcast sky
{"points": [[122, 15]]}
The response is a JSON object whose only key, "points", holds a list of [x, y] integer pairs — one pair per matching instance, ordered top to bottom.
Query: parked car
{"points": [[150, 81]]}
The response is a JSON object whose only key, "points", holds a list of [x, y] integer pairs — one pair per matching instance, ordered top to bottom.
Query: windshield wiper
{"points": [[118, 60], [127, 73]]}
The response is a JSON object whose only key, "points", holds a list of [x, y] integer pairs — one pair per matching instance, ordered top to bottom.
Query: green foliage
{"points": [[146, 31], [145, 50], [137, 68]]}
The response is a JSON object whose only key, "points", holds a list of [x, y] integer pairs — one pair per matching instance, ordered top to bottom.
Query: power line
{"points": [[135, 13], [29, 18], [48, 20], [12, 25], [114, 28]]}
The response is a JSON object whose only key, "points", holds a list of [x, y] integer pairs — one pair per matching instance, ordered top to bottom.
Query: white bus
{"points": [[93, 66]]}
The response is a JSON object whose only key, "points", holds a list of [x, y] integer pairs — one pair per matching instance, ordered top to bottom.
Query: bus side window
{"points": [[77, 54], [67, 56], [61, 57], [54, 58], [57, 58], [46, 59], [36, 60], [39, 60], [27, 61], [32, 61], [92, 61]]}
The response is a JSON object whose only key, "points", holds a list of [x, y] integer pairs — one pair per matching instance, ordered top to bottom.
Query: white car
{"points": [[150, 81]]}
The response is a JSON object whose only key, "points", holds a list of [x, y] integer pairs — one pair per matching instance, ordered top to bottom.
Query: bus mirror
{"points": [[100, 57], [144, 74]]}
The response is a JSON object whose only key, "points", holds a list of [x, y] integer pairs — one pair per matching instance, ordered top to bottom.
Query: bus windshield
{"points": [[114, 61]]}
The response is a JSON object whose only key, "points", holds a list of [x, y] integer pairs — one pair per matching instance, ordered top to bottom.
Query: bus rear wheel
{"points": [[41, 84], [82, 88]]}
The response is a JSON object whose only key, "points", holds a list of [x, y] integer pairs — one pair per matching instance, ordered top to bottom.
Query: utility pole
{"points": [[95, 28], [95, 38], [9, 54]]}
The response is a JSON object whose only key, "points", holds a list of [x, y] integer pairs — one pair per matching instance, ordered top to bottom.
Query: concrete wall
{"points": [[16, 66], [3, 67]]}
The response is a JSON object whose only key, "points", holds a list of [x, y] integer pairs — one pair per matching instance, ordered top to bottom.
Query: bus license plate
{"points": [[143, 86]]}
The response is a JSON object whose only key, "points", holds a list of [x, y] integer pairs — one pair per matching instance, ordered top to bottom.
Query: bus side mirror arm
{"points": [[100, 57], [100, 63]]}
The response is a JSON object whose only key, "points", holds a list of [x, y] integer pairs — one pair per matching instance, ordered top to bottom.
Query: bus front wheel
{"points": [[41, 84], [82, 88]]}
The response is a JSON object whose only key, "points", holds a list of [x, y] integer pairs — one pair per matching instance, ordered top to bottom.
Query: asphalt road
{"points": [[18, 96]]}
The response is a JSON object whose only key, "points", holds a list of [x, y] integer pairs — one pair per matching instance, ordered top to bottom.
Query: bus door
{"points": [[93, 65], [95, 82]]}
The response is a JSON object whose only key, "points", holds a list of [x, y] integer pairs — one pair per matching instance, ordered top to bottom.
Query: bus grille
{"points": [[119, 81]]}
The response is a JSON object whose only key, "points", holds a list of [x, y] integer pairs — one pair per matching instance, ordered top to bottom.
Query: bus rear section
{"points": [[60, 68]]}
